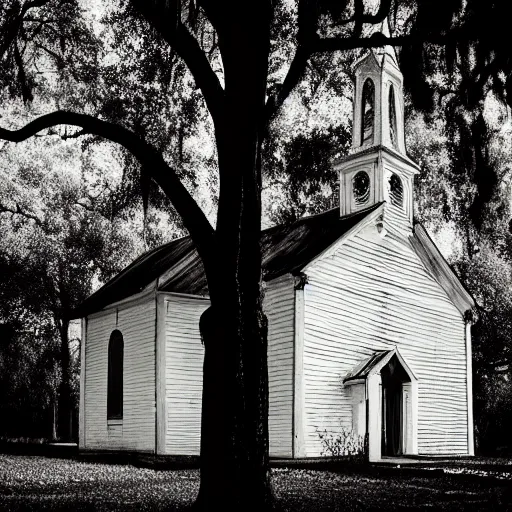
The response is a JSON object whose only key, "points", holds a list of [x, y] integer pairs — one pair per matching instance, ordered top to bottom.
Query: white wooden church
{"points": [[369, 328]]}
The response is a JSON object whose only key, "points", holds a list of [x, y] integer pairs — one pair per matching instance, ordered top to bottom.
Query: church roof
{"points": [[286, 248]]}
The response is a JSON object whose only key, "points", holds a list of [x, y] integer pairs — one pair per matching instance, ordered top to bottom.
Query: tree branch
{"points": [[32, 4], [162, 17], [360, 17], [307, 25], [307, 40], [377, 40], [189, 50], [51, 53], [297, 68], [22, 77], [152, 162], [22, 213]]}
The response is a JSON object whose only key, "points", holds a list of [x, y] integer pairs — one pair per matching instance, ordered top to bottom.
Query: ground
{"points": [[45, 483]]}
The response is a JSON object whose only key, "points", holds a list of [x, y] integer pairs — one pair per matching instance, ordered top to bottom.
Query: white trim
{"points": [[389, 155], [400, 160], [356, 161], [329, 251], [276, 280], [183, 295], [160, 359], [385, 360], [354, 382], [469, 383], [414, 407], [81, 412], [374, 417], [407, 418], [299, 447], [376, 448]]}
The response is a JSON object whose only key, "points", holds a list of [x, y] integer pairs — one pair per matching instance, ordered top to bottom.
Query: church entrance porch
{"points": [[384, 391]]}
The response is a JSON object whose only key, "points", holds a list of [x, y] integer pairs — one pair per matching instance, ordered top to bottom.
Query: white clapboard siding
{"points": [[371, 294], [279, 306], [99, 329], [184, 354], [184, 370], [136, 431]]}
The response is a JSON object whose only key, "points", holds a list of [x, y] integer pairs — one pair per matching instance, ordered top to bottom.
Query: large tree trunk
{"points": [[234, 429], [234, 437]]}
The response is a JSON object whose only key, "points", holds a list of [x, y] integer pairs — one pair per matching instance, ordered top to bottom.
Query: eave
{"points": [[376, 150], [442, 272]]}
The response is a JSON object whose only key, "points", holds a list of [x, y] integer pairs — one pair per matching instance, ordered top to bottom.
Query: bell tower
{"points": [[378, 100], [377, 168]]}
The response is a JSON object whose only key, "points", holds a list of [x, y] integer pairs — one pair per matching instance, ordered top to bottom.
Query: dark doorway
{"points": [[393, 376]]}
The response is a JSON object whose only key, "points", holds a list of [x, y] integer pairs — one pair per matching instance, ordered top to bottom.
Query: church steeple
{"points": [[378, 99], [377, 168]]}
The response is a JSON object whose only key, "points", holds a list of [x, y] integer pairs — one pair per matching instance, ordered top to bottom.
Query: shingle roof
{"points": [[286, 248]]}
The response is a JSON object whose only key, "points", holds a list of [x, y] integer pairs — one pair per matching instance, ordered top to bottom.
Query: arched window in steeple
{"points": [[368, 113], [393, 133], [396, 191]]}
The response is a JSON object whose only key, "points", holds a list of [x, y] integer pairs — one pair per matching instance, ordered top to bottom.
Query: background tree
{"points": [[63, 229], [27, 362]]}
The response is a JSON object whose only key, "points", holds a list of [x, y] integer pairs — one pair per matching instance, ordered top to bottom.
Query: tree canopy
{"points": [[66, 225]]}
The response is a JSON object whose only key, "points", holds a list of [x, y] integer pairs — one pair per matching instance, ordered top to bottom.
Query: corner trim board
{"points": [[298, 377], [469, 383], [160, 387], [81, 417]]}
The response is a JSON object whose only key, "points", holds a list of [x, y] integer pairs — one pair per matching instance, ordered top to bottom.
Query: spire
{"points": [[388, 51], [378, 100]]}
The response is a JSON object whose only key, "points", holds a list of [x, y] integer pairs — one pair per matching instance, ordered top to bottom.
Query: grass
{"points": [[40, 483]]}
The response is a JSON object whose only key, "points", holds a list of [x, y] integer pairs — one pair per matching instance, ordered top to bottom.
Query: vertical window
{"points": [[368, 113], [393, 133], [115, 376]]}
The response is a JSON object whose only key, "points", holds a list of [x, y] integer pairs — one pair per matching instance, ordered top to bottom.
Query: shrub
{"points": [[345, 443]]}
